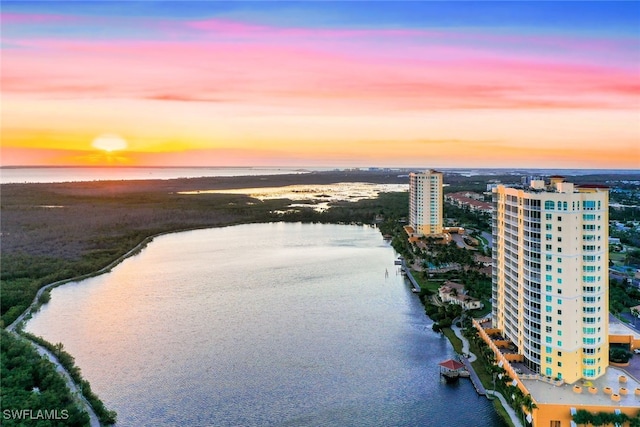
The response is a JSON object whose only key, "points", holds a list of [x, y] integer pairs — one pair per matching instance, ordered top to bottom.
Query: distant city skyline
{"points": [[344, 84]]}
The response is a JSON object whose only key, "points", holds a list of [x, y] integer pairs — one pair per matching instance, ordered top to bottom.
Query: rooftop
{"points": [[616, 327], [543, 392]]}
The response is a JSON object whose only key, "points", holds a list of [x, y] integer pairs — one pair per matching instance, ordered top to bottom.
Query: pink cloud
{"points": [[266, 67]]}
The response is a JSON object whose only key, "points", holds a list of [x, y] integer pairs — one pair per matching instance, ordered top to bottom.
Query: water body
{"points": [[70, 174], [261, 325]]}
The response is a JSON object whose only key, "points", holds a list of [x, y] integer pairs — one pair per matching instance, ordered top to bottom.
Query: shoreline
{"points": [[25, 208], [97, 209], [16, 327]]}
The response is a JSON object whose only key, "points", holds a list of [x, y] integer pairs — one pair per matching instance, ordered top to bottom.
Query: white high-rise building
{"points": [[425, 202], [550, 276]]}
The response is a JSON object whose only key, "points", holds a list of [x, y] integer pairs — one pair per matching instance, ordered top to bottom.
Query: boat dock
{"points": [[407, 272], [477, 384]]}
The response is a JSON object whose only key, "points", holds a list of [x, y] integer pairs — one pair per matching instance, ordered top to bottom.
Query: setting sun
{"points": [[357, 84], [109, 143]]}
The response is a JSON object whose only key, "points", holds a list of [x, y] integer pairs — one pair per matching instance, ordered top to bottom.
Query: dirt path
{"points": [[71, 385]]}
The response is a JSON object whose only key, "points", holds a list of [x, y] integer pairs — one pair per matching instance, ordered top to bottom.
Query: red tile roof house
{"points": [[454, 293]]}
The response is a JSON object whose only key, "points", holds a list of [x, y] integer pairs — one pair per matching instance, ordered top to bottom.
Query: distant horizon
{"points": [[191, 83], [328, 168]]}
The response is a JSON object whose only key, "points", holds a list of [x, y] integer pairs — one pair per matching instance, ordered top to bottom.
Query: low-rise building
{"points": [[473, 201], [454, 293]]}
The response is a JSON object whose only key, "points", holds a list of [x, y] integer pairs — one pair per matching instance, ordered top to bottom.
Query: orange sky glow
{"points": [[232, 92]]}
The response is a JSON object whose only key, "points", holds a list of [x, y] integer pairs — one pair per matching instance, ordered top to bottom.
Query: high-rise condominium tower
{"points": [[425, 202], [550, 276]]}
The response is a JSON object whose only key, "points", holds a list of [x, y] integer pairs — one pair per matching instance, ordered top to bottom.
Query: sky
{"points": [[347, 84]]}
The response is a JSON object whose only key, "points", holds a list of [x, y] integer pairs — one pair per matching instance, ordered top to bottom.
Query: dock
{"points": [[407, 272], [477, 384]]}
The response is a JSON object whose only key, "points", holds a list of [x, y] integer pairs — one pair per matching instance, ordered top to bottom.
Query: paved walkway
{"points": [[465, 344], [467, 362], [512, 414]]}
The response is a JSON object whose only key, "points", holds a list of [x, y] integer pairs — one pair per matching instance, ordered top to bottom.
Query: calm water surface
{"points": [[70, 174], [261, 325]]}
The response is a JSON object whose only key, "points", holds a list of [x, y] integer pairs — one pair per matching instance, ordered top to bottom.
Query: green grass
{"points": [[617, 256], [430, 285], [481, 312], [453, 338], [479, 367], [487, 381], [497, 404]]}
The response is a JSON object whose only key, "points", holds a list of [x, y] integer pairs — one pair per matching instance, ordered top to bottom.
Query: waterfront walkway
{"points": [[413, 281], [467, 362], [474, 377], [475, 380]]}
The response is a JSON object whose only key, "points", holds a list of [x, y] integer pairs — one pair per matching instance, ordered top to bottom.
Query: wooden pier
{"points": [[407, 271], [475, 380]]}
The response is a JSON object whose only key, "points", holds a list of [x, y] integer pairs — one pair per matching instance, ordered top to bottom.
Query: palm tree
{"points": [[58, 347], [529, 404]]}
